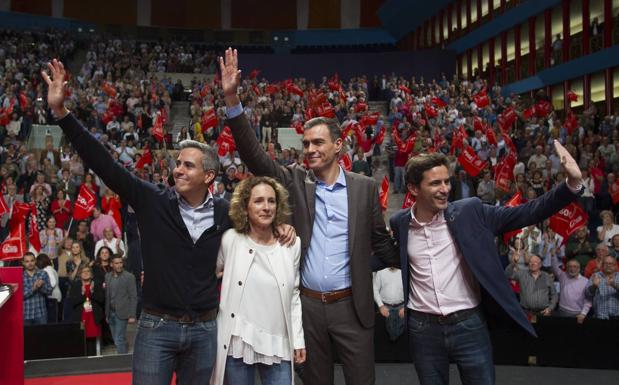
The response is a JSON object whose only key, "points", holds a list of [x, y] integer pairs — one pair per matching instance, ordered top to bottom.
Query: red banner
{"points": [[405, 89], [481, 101], [439, 102], [360, 107], [208, 119], [507, 119], [158, 128], [225, 142], [146, 158], [345, 162], [470, 162], [504, 174], [383, 195], [409, 199], [516, 200], [84, 204], [568, 220], [14, 246]]}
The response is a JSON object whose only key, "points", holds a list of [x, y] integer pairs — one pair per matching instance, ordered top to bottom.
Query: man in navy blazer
{"points": [[450, 267]]}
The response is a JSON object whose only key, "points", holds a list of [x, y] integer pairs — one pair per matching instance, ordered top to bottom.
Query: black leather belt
{"points": [[393, 305], [185, 318], [448, 319]]}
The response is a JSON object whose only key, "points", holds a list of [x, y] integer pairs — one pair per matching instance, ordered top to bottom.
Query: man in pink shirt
{"points": [[101, 222], [451, 268]]}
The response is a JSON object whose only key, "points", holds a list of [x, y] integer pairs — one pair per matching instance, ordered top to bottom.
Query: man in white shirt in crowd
{"points": [[389, 297]]}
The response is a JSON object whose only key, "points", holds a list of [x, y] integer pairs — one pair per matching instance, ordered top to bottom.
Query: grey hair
{"points": [[211, 160]]}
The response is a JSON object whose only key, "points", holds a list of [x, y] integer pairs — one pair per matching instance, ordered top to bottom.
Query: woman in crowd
{"points": [[40, 200], [111, 205], [61, 210], [608, 229], [51, 238], [101, 264], [52, 300], [87, 300], [260, 310]]}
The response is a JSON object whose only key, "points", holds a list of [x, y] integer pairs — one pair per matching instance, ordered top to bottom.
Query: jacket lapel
{"points": [[310, 196], [352, 212], [403, 227]]}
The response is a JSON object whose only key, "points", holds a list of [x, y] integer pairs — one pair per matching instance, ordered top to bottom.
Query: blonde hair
{"points": [[240, 201]]}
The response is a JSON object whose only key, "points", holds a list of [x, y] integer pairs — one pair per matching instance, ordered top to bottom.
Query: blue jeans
{"points": [[118, 327], [465, 343], [163, 347], [240, 373]]}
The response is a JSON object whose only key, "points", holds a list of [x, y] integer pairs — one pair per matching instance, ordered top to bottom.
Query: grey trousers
{"points": [[335, 325]]}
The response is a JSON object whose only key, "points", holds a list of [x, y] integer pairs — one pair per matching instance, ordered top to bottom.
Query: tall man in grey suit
{"points": [[340, 223], [120, 302]]}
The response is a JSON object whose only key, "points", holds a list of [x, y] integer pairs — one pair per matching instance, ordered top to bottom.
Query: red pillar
{"points": [[503, 6], [565, 8], [459, 15], [449, 21], [608, 23], [585, 28], [547, 38], [532, 48], [517, 51], [503, 58], [491, 62], [608, 82], [586, 88]]}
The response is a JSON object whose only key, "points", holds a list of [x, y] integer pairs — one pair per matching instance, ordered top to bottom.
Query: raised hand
{"points": [[230, 73], [56, 84], [574, 176]]}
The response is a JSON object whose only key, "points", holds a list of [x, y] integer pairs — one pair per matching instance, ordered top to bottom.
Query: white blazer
{"points": [[234, 260]]}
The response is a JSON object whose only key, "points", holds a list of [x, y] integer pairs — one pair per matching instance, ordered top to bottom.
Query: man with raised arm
{"points": [[338, 218], [181, 229]]}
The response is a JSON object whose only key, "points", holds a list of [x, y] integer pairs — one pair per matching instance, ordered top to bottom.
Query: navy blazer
{"points": [[474, 226]]}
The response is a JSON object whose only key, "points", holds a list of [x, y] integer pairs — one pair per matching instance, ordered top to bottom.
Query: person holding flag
{"points": [[181, 229], [448, 255]]}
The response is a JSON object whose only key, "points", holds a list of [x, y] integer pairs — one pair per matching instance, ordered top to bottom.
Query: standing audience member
{"points": [[61, 210], [101, 222], [608, 229], [51, 239], [115, 244], [579, 248], [102, 263], [36, 289], [537, 289], [603, 290], [389, 297], [87, 299], [53, 300], [572, 301], [120, 302]]}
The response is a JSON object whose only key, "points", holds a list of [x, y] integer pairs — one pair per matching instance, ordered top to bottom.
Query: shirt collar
{"points": [[341, 180], [208, 202], [436, 219]]}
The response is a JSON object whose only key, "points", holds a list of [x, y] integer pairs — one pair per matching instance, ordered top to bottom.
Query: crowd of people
{"points": [[119, 99]]}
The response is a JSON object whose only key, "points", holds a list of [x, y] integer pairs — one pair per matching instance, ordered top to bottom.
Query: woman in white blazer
{"points": [[259, 321]]}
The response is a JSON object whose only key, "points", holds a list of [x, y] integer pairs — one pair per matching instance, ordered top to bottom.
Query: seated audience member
{"points": [[83, 235], [595, 265], [36, 287], [537, 289], [603, 290], [389, 297], [572, 300], [120, 302]]}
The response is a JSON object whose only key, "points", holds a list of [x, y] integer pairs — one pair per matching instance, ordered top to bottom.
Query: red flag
{"points": [[254, 73], [271, 89], [294, 89], [405, 89], [109, 90], [256, 90], [204, 91], [571, 96], [317, 98], [23, 100], [481, 100], [439, 102], [360, 107], [543, 108], [326, 110], [430, 111], [208, 119], [507, 119], [370, 120], [571, 122], [478, 124], [298, 127], [158, 128], [348, 128], [380, 136], [491, 136], [225, 142], [457, 142], [509, 144], [146, 158], [345, 162], [470, 162], [504, 174], [614, 192], [383, 195], [409, 199], [513, 202], [84, 204], [4, 208], [19, 213], [568, 220], [34, 239], [14, 246]]}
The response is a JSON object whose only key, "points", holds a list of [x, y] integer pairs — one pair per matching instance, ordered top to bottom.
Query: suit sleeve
{"points": [[252, 154], [96, 156], [503, 219], [383, 245], [133, 297]]}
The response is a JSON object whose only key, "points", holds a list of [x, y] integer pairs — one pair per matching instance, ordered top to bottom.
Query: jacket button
{"points": [[251, 251], [240, 283], [232, 315], [224, 346]]}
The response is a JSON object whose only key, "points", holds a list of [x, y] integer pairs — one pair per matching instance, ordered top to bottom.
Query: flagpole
{"points": [[70, 224]]}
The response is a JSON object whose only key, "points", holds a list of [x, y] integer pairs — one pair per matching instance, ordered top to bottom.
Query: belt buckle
{"points": [[323, 296], [186, 319], [442, 320]]}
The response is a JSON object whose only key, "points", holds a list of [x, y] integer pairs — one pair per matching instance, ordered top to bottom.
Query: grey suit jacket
{"points": [[367, 231], [126, 299]]}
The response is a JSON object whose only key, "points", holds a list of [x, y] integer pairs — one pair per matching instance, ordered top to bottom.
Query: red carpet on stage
{"points": [[90, 379]]}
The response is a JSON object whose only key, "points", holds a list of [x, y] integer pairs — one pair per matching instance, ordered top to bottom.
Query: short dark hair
{"points": [[332, 124], [417, 165], [115, 256], [43, 261]]}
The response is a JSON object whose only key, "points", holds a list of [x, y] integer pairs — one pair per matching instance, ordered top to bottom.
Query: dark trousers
{"points": [[335, 325], [465, 343]]}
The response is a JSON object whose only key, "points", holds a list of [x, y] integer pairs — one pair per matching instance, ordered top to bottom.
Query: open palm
{"points": [[230, 73], [55, 82], [567, 161]]}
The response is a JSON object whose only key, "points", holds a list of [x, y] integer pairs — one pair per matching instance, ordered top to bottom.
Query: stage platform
{"points": [[115, 370]]}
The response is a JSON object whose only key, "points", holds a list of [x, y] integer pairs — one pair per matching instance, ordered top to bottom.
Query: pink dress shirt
{"points": [[98, 225], [440, 280]]}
